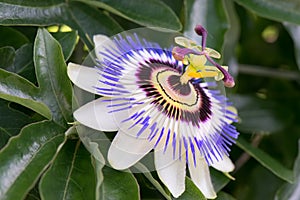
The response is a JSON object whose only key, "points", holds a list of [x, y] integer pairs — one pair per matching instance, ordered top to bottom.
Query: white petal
{"points": [[100, 39], [102, 42], [86, 78], [96, 115], [126, 149], [224, 165], [171, 172], [201, 177]]}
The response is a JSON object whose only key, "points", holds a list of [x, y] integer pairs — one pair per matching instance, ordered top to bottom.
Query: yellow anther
{"points": [[202, 74]]}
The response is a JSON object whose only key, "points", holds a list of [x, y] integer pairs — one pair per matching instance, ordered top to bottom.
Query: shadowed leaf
{"points": [[266, 161], [71, 175]]}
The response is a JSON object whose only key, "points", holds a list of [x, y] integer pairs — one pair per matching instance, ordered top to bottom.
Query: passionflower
{"points": [[164, 99]]}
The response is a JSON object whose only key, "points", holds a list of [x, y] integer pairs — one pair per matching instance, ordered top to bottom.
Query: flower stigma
{"points": [[195, 58]]}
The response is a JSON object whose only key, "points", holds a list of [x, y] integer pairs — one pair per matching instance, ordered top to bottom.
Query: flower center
{"points": [[163, 87], [176, 93]]}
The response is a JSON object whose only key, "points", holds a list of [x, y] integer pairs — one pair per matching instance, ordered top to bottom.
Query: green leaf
{"points": [[175, 5], [274, 9], [151, 13], [209, 14], [79, 16], [90, 21], [294, 31], [232, 35], [10, 36], [67, 41], [7, 55], [23, 59], [23, 64], [17, 89], [55, 89], [257, 115], [11, 122], [93, 141], [26, 156], [266, 161], [143, 169], [71, 175], [99, 176], [218, 179], [115, 184], [118, 185], [191, 191], [291, 191], [33, 194], [224, 196]]}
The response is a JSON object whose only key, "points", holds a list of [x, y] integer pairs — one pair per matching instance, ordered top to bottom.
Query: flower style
{"points": [[159, 99]]}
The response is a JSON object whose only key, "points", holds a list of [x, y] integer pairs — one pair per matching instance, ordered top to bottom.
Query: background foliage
{"points": [[41, 154]]}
